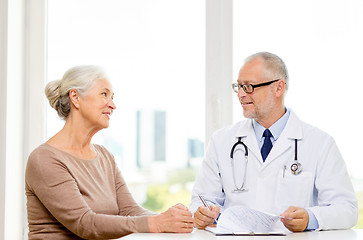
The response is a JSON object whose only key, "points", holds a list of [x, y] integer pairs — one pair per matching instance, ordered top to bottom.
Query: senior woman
{"points": [[74, 189]]}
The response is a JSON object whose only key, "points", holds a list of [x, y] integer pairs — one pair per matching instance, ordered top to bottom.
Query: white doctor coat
{"points": [[323, 186]]}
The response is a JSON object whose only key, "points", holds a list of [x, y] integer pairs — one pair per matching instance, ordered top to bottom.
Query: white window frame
{"points": [[219, 67], [23, 75], [3, 95], [22, 118]]}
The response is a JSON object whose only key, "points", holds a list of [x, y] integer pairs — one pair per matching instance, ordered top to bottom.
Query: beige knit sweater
{"points": [[72, 198]]}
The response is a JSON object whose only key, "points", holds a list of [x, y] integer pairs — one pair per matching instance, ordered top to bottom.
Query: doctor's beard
{"points": [[260, 112]]}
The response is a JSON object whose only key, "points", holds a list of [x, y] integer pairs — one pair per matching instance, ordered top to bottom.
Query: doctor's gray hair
{"points": [[276, 68], [80, 78]]}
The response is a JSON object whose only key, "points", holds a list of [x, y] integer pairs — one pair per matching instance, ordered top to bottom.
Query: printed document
{"points": [[241, 220]]}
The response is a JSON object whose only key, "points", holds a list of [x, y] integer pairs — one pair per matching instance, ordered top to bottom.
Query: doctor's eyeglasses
{"points": [[249, 88]]}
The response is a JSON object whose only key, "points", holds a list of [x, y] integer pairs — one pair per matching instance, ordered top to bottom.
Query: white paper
{"points": [[244, 219]]}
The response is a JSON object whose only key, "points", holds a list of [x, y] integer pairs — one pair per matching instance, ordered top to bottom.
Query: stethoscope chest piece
{"points": [[296, 168]]}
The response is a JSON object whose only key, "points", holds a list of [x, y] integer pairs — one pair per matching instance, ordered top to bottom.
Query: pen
{"points": [[284, 170], [206, 205]]}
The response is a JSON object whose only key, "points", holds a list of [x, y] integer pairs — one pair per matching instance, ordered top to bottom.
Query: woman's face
{"points": [[97, 105]]}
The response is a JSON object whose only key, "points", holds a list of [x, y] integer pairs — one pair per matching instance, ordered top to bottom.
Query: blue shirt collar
{"points": [[276, 129]]}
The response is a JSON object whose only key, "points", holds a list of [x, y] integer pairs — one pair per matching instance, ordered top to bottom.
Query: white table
{"points": [[351, 234]]}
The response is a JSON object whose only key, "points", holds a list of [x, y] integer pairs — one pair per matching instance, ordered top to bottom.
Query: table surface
{"points": [[350, 234]]}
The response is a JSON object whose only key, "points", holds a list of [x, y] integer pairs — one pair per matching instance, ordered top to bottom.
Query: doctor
{"points": [[273, 161]]}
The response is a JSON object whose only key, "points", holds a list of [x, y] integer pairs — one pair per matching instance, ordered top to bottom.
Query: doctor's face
{"points": [[259, 104]]}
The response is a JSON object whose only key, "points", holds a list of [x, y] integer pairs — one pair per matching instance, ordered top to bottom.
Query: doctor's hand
{"points": [[205, 217], [176, 219], [299, 221]]}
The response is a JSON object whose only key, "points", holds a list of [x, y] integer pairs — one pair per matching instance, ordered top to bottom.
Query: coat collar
{"points": [[293, 130]]}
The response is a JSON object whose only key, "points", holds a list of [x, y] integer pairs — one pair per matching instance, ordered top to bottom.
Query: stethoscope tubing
{"points": [[239, 189], [242, 189]]}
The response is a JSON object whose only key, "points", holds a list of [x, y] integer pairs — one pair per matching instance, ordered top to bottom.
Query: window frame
{"points": [[22, 65]]}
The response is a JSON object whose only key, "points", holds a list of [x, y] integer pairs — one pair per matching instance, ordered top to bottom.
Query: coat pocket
{"points": [[294, 190]]}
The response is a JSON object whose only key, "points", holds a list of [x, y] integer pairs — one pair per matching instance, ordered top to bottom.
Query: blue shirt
{"points": [[276, 130]]}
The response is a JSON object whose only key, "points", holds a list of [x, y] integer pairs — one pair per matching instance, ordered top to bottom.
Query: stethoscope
{"points": [[295, 167]]}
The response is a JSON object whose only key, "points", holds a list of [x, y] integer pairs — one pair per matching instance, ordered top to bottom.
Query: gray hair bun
{"points": [[79, 78], [56, 101]]}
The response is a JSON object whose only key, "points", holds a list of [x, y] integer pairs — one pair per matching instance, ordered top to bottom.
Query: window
{"points": [[154, 54]]}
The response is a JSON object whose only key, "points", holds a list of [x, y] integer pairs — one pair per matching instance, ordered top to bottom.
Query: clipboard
{"points": [[244, 221], [217, 233]]}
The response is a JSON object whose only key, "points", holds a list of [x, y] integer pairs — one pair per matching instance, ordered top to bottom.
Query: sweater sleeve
{"points": [[51, 181], [125, 201]]}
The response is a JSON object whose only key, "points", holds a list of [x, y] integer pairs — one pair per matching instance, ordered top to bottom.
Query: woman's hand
{"points": [[205, 217], [176, 219]]}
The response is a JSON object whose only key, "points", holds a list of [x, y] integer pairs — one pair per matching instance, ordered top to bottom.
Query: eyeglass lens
{"points": [[248, 88]]}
